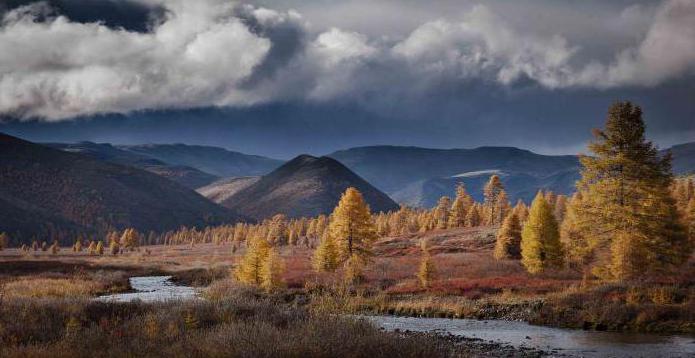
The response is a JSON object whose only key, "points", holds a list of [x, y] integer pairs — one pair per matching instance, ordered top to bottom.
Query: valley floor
{"points": [[470, 284]]}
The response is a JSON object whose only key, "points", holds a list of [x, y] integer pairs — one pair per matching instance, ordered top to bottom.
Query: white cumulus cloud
{"points": [[221, 53]]}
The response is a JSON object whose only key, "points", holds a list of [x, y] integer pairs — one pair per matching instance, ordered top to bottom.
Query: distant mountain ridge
{"points": [[683, 158], [217, 161], [187, 176], [420, 176], [306, 186], [50, 193]]}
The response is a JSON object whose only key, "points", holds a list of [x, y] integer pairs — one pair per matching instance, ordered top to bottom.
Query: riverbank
{"points": [[233, 321]]}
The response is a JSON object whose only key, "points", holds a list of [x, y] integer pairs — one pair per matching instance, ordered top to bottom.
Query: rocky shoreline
{"points": [[479, 348]]}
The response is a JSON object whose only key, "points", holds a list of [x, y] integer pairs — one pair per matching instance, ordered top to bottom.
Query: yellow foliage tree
{"points": [[460, 207], [441, 212], [628, 215], [351, 227], [540, 239], [508, 245], [100, 248], [325, 258], [250, 269], [271, 271], [427, 271]]}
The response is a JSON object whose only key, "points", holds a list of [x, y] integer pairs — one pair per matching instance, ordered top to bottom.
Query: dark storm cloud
{"points": [[126, 14], [445, 74]]}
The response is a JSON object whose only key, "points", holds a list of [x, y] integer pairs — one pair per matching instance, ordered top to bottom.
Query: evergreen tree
{"points": [[491, 192], [460, 207], [502, 207], [560, 208], [521, 211], [441, 212], [628, 215], [473, 218], [690, 218], [351, 227], [540, 239], [129, 240], [508, 244], [114, 247], [100, 248], [576, 248], [325, 258], [250, 270], [272, 270], [427, 271]]}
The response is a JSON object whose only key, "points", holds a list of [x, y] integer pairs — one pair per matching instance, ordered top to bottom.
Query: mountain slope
{"points": [[683, 158], [213, 160], [391, 168], [187, 176], [420, 176], [304, 186], [223, 189], [426, 193], [54, 194]]}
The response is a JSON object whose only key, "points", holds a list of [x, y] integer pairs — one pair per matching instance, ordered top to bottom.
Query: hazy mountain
{"points": [[683, 158], [214, 160], [185, 175], [419, 176], [305, 186], [223, 189], [48, 192], [426, 193]]}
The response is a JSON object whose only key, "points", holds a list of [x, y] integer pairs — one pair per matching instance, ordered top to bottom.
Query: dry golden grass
{"points": [[50, 287]]}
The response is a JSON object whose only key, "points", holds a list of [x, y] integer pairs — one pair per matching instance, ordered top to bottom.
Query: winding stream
{"points": [[152, 289], [518, 334], [562, 341]]}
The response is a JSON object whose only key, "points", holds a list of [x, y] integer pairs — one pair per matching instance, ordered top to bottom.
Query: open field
{"points": [[470, 283]]}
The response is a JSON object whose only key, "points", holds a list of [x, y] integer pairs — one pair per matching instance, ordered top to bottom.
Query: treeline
{"points": [[462, 211], [116, 242]]}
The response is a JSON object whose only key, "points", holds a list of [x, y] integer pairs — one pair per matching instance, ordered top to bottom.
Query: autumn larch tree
{"points": [[491, 192], [460, 206], [441, 212], [627, 213], [473, 218], [352, 228], [540, 239], [4, 240], [508, 244], [575, 244], [100, 248], [325, 258], [250, 269], [272, 270], [427, 271]]}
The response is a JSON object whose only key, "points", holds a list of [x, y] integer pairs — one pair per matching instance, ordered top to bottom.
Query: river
{"points": [[152, 289], [518, 334], [566, 341]]}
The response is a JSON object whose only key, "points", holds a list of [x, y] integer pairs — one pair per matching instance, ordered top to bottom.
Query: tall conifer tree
{"points": [[628, 215], [354, 232], [540, 239]]}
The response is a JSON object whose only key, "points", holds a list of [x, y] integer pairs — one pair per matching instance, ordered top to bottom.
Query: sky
{"points": [[284, 77]]}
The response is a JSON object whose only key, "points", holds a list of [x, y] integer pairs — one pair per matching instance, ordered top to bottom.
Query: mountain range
{"points": [[420, 176], [54, 189], [54, 194]]}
